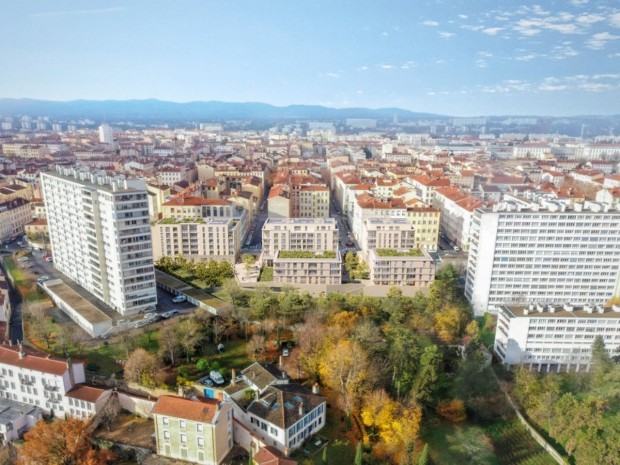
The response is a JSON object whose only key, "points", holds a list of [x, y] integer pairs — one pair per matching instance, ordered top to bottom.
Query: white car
{"points": [[178, 299], [216, 377]]}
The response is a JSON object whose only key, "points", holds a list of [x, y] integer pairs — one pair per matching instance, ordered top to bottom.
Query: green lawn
{"points": [[234, 356], [504, 442]]}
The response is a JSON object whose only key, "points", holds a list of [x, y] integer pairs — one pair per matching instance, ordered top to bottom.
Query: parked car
{"points": [[43, 278], [178, 299], [150, 309], [169, 314], [151, 316], [141, 323], [285, 352], [216, 377], [207, 382]]}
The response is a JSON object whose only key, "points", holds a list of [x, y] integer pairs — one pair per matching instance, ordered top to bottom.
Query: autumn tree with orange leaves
{"points": [[62, 442]]}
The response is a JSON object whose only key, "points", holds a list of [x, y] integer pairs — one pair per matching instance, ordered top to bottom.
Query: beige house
{"points": [[425, 221], [386, 233], [313, 234], [389, 267], [198, 431]]}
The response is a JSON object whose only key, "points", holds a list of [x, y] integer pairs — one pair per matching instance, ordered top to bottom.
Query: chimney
{"points": [[10, 343], [22, 354], [281, 361], [233, 376], [315, 388], [256, 395], [301, 409]]}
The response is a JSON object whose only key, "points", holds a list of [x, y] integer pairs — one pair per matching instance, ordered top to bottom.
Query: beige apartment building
{"points": [[25, 150], [313, 202], [14, 215], [425, 221], [386, 233], [313, 234], [305, 267], [401, 267], [198, 431]]}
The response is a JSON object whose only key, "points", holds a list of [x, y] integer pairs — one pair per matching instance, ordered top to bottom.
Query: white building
{"points": [[106, 134], [386, 233], [313, 234], [101, 236], [534, 249], [401, 267], [554, 338]]}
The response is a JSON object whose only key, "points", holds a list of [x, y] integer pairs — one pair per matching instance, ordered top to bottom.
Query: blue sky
{"points": [[458, 57]]}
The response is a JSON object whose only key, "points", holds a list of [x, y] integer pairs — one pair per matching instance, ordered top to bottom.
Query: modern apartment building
{"points": [[106, 134], [14, 215], [386, 233], [313, 234], [101, 237], [534, 249], [304, 267], [401, 267], [554, 338], [199, 431]]}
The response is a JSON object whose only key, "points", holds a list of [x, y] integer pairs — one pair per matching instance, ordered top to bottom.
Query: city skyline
{"points": [[557, 58]]}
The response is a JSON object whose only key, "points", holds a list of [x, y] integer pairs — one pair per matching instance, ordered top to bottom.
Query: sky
{"points": [[452, 57]]}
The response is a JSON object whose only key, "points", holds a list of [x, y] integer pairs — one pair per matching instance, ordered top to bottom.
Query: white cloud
{"points": [[579, 2], [463, 16], [590, 19], [614, 19], [430, 23], [472, 28], [566, 28], [492, 30], [385, 34], [446, 35], [598, 41], [485, 54], [528, 57], [481, 63], [386, 66], [363, 68], [331, 75], [596, 86], [552, 88], [359, 92]]}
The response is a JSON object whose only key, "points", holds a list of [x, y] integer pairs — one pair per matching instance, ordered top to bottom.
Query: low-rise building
{"points": [[14, 215], [306, 267], [401, 267], [554, 338], [16, 418], [199, 431]]}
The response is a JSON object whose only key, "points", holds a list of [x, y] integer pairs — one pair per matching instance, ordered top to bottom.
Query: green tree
{"points": [[248, 260], [165, 264], [189, 336], [403, 355], [600, 362], [428, 374], [358, 454], [325, 459], [423, 460]]}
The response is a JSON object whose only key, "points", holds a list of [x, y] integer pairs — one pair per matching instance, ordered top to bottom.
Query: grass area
{"points": [[399, 253], [288, 254], [266, 275], [487, 324], [234, 356], [505, 442]]}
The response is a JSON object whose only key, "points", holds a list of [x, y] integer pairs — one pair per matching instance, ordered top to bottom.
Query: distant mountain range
{"points": [[157, 110]]}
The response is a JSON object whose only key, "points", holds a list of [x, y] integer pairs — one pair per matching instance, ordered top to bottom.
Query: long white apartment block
{"points": [[313, 234], [101, 236], [534, 249], [554, 338]]}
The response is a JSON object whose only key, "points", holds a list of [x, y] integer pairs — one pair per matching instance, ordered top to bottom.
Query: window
{"points": [[165, 421], [182, 424], [199, 427], [167, 435], [183, 438], [201, 442]]}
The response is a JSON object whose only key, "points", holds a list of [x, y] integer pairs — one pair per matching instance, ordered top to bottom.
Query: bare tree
{"points": [[39, 321], [189, 336], [127, 341], [169, 343], [142, 368], [110, 411]]}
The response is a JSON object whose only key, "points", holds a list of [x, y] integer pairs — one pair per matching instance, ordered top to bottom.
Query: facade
{"points": [[313, 202], [367, 206], [456, 209], [14, 215], [425, 221], [386, 233], [313, 234], [101, 237], [534, 249], [299, 267], [389, 267], [553, 338], [37, 380], [16, 418], [199, 431]]}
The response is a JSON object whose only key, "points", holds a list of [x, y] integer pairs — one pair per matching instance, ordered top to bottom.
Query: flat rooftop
{"points": [[300, 221], [184, 288], [79, 303], [560, 312], [11, 410]]}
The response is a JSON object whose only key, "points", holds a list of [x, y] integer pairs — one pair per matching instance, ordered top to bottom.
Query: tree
{"points": [[248, 260], [263, 302], [39, 321], [450, 322], [189, 336], [127, 341], [169, 342], [403, 355], [600, 362], [142, 368], [344, 368], [428, 374], [452, 410], [110, 411], [62, 442], [358, 454], [325, 459], [423, 460]]}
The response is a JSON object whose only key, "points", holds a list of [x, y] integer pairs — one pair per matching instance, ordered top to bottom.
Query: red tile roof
{"points": [[195, 201], [32, 361], [86, 393], [202, 410], [271, 456]]}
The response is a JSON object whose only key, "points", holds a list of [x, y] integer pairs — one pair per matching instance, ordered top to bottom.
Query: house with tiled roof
{"points": [[456, 208], [271, 410], [198, 430]]}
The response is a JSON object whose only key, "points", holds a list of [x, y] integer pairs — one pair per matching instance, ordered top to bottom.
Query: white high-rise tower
{"points": [[106, 134], [101, 237]]}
